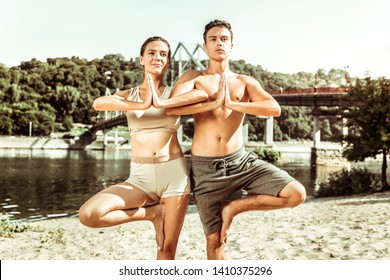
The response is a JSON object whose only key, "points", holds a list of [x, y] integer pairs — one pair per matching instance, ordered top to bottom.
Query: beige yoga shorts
{"points": [[160, 177]]}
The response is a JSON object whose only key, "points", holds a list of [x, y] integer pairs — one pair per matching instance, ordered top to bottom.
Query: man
{"points": [[220, 164]]}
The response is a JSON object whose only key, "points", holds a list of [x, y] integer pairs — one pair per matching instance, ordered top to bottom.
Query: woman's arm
{"points": [[190, 97], [119, 102], [210, 104]]}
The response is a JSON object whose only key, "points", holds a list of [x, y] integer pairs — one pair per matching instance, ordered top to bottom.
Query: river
{"points": [[41, 184]]}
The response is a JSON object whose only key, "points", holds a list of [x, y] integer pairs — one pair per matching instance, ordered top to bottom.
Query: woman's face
{"points": [[155, 57]]}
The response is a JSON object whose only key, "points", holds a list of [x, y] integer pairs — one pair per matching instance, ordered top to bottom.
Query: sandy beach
{"points": [[341, 228]]}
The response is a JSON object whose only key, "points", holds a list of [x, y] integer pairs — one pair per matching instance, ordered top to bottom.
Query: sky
{"points": [[285, 36]]}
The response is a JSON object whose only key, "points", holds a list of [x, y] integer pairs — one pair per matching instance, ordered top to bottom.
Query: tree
{"points": [[65, 88], [65, 100], [5, 119], [368, 122], [295, 123]]}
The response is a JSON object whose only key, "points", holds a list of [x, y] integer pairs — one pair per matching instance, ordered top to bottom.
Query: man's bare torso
{"points": [[219, 132]]}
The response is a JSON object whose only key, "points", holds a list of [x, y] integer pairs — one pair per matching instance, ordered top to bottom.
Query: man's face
{"points": [[218, 43]]}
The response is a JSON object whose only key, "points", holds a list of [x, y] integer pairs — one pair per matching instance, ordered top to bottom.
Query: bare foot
{"points": [[227, 220], [158, 223]]}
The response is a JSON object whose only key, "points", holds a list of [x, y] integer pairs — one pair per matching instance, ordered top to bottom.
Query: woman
{"points": [[157, 189]]}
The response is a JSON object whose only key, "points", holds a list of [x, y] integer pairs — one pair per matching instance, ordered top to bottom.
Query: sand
{"points": [[341, 228]]}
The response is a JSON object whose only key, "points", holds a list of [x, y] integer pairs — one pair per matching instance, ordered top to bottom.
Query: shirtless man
{"points": [[220, 164]]}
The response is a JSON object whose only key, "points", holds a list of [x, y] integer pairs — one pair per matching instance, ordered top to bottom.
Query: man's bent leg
{"points": [[291, 195]]}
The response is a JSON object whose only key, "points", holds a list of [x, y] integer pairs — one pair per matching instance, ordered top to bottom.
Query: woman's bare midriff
{"points": [[154, 144]]}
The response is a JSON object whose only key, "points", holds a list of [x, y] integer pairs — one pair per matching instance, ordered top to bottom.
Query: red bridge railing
{"points": [[320, 90]]}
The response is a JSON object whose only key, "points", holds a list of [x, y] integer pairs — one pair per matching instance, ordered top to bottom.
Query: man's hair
{"points": [[217, 23], [152, 39]]}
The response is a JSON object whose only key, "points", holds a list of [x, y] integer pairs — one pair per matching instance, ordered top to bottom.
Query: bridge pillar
{"points": [[345, 128], [269, 131], [316, 131], [245, 132], [180, 134], [116, 137], [105, 140]]}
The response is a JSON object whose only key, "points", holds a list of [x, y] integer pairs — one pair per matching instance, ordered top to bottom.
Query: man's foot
{"points": [[227, 220], [158, 223]]}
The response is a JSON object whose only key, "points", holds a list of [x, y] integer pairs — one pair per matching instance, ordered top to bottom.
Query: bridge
{"points": [[311, 97], [315, 98]]}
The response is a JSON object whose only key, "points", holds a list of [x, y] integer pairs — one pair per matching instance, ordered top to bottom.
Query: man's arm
{"points": [[188, 87], [119, 102], [262, 103]]}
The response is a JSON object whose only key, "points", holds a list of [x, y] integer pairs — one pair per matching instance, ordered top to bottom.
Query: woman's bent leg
{"points": [[116, 205]]}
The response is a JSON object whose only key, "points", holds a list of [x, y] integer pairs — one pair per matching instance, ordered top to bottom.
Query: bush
{"points": [[268, 155], [345, 182], [8, 228], [55, 236]]}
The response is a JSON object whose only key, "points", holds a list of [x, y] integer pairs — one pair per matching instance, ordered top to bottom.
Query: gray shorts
{"points": [[219, 179]]}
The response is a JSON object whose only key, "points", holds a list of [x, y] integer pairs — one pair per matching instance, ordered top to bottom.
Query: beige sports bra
{"points": [[152, 119]]}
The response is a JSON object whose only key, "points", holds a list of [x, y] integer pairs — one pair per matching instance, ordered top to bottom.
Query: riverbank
{"points": [[18, 142], [45, 143], [327, 153], [341, 228]]}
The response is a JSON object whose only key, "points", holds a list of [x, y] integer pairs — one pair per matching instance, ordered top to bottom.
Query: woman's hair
{"points": [[217, 23], [152, 39]]}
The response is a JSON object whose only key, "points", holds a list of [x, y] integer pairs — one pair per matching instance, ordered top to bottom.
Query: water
{"points": [[37, 184], [41, 184]]}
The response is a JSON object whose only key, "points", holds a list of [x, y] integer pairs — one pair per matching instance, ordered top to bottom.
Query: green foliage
{"points": [[61, 87], [59, 92], [6, 121], [368, 122], [295, 123], [256, 129], [267, 154], [345, 182], [8, 227], [55, 236]]}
